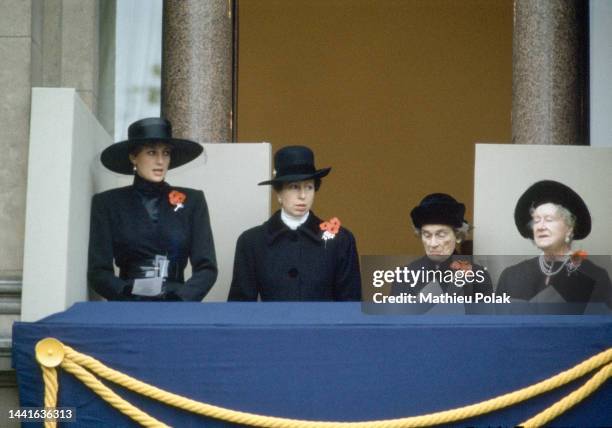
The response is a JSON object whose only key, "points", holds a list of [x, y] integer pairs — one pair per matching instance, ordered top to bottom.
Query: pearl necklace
{"points": [[547, 267]]}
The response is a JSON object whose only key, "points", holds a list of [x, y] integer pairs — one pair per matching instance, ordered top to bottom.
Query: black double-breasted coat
{"points": [[122, 230], [277, 263]]}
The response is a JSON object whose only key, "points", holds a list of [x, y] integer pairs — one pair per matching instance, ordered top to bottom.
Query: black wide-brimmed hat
{"points": [[149, 131], [295, 163], [546, 191], [438, 208]]}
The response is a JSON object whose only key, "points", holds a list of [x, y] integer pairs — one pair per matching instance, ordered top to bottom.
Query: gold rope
{"points": [[74, 360], [51, 387], [109, 396], [570, 400]]}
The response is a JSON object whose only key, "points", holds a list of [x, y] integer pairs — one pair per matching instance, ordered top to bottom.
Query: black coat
{"points": [[122, 229], [277, 263], [588, 283], [461, 287], [466, 288]]}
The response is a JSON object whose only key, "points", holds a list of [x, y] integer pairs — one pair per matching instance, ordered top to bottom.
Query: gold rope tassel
{"points": [[73, 360]]}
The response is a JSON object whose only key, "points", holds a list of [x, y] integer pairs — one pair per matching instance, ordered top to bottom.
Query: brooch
{"points": [[176, 199]]}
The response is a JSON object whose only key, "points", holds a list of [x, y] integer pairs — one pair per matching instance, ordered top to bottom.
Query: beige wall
{"points": [[391, 94]]}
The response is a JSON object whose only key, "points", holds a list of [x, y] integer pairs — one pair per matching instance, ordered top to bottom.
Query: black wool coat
{"points": [[122, 230], [277, 263], [463, 288], [466, 288]]}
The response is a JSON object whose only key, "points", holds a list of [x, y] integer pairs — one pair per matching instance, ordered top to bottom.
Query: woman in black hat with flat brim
{"points": [[553, 215], [438, 221], [150, 229], [295, 255]]}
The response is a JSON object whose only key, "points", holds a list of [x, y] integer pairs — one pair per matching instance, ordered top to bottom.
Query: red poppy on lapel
{"points": [[176, 199], [330, 228], [463, 265]]}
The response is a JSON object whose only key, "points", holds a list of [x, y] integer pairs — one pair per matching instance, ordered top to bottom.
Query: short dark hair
{"points": [[278, 186]]}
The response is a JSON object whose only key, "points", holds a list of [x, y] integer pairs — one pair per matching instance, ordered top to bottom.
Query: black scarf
{"points": [[150, 194]]}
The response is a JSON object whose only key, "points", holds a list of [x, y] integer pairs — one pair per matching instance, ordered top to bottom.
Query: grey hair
{"points": [[564, 213], [461, 233]]}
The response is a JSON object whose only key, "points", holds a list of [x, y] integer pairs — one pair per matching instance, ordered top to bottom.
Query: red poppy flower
{"points": [[176, 198], [334, 225], [330, 228], [579, 256], [461, 265]]}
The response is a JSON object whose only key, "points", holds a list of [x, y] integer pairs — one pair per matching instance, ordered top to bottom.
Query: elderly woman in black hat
{"points": [[553, 215], [439, 222], [150, 229], [295, 255]]}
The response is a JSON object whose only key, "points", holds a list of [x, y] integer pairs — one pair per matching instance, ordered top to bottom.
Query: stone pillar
{"points": [[42, 43], [70, 47], [20, 50], [197, 68], [550, 72], [106, 75]]}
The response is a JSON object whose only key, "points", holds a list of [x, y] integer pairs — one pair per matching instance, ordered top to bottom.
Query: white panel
{"points": [[600, 45], [88, 133], [62, 143], [504, 171]]}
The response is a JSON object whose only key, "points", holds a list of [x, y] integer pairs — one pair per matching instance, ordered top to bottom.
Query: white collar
{"points": [[293, 222]]}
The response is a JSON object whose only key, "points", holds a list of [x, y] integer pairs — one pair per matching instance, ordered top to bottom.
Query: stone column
{"points": [[42, 43], [70, 47], [20, 50], [197, 68], [550, 72]]}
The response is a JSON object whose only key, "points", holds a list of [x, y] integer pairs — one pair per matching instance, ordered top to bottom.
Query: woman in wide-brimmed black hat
{"points": [[553, 215], [439, 222], [150, 229], [295, 255]]}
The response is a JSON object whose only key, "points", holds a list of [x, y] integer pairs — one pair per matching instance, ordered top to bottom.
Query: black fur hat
{"points": [[438, 208]]}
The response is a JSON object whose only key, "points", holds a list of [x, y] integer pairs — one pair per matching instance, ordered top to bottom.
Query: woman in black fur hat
{"points": [[553, 215], [439, 222], [150, 229], [295, 255]]}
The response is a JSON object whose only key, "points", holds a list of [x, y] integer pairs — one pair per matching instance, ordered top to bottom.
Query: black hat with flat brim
{"points": [[149, 131], [295, 163], [549, 191], [438, 208]]}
